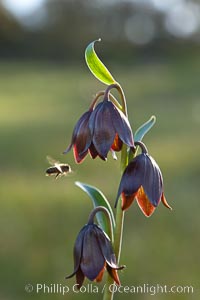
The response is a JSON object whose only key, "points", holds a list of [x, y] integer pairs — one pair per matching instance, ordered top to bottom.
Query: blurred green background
{"points": [[42, 95]]}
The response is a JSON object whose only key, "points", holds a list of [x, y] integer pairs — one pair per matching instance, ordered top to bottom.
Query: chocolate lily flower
{"points": [[109, 128], [99, 131], [81, 138], [142, 179], [93, 254]]}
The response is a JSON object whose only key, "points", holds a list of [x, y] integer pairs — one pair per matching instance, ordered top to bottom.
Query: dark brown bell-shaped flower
{"points": [[109, 128], [99, 131], [81, 138], [142, 180], [93, 254]]}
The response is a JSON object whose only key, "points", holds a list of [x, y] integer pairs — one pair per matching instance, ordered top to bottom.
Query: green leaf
{"points": [[96, 66], [142, 130], [99, 199]]}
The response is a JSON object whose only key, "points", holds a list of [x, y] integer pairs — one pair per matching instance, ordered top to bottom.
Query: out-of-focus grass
{"points": [[40, 217]]}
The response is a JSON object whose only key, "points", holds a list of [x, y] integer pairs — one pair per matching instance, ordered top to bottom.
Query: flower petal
{"points": [[122, 126], [101, 127], [81, 130], [82, 139], [117, 144], [93, 152], [79, 157], [131, 180], [152, 180], [127, 200], [164, 201], [144, 203], [106, 249], [78, 251], [92, 261], [113, 273], [100, 275], [79, 278]]}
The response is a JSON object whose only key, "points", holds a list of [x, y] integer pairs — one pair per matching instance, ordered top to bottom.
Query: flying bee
{"points": [[58, 169]]}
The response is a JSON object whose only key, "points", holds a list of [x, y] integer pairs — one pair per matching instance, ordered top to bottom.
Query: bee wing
{"points": [[52, 161], [57, 165]]}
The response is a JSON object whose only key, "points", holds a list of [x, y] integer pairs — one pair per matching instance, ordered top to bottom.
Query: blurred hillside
{"points": [[60, 28], [40, 216]]}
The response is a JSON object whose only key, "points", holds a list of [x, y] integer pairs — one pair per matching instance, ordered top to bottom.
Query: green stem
{"points": [[121, 92], [99, 94], [114, 100], [124, 105], [106, 212], [119, 213], [119, 218], [118, 231], [108, 295]]}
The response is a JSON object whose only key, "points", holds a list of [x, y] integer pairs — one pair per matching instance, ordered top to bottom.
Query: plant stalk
{"points": [[106, 212], [119, 218]]}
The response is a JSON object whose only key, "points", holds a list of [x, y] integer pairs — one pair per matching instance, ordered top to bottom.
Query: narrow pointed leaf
{"points": [[96, 66], [142, 130], [99, 199]]}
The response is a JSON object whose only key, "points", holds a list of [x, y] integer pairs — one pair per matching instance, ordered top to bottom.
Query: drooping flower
{"points": [[109, 128], [100, 130], [81, 137], [142, 180], [93, 254]]}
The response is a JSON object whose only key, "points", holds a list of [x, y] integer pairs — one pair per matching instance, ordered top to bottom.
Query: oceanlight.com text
{"points": [[58, 288]]}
